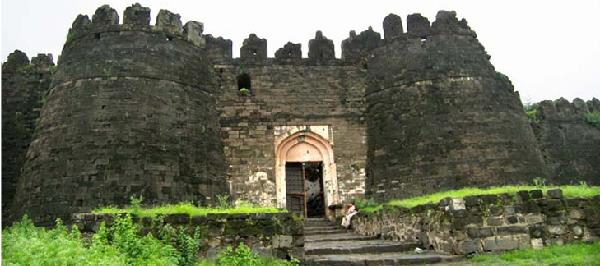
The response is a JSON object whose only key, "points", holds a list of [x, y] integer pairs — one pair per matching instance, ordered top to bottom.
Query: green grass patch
{"points": [[582, 191], [187, 208], [571, 254]]}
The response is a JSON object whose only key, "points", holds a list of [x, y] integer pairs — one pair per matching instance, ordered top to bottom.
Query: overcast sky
{"points": [[549, 49]]}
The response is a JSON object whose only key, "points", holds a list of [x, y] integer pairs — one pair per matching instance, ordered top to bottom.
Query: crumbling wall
{"points": [[24, 85], [130, 111], [440, 117], [570, 145], [483, 223]]}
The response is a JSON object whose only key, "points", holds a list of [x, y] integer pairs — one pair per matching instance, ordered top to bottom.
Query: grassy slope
{"points": [[568, 191], [187, 208], [572, 254]]}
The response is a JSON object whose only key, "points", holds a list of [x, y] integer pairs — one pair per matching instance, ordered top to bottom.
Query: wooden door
{"points": [[294, 185]]}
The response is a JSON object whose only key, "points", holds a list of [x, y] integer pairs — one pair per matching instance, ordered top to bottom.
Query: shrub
{"points": [[244, 91], [593, 118], [243, 256]]}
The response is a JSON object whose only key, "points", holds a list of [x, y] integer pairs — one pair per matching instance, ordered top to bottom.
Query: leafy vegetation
{"points": [[244, 91], [531, 109], [593, 118], [582, 190], [187, 208], [120, 244], [572, 254], [244, 256]]}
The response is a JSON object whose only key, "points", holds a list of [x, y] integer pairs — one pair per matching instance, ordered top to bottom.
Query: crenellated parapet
{"points": [[417, 26], [357, 47], [254, 49], [320, 49], [165, 51], [290, 52], [562, 109]]}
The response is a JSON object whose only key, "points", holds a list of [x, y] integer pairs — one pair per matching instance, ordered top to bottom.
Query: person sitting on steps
{"points": [[350, 210]]}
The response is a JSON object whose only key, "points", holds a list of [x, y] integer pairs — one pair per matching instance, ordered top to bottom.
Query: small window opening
{"points": [[97, 35], [169, 38], [253, 52], [244, 84]]}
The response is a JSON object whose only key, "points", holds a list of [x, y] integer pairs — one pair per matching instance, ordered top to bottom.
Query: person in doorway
{"points": [[347, 219]]}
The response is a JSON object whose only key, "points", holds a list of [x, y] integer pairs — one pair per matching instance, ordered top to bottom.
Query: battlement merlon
{"points": [[136, 17], [356, 47], [18, 60], [562, 108]]}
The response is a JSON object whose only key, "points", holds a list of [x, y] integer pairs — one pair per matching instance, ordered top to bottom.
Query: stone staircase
{"points": [[328, 244]]}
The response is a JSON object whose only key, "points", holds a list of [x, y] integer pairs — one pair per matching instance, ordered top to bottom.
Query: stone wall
{"points": [[24, 85], [288, 97], [130, 111], [440, 117], [570, 145], [488, 222], [280, 235]]}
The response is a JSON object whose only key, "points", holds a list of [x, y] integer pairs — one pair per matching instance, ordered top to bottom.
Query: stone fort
{"points": [[165, 111]]}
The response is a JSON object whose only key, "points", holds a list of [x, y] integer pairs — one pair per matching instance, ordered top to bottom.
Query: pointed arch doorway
{"points": [[305, 175]]}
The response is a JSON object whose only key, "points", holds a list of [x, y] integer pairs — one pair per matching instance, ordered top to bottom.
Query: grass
{"points": [[583, 191], [189, 209], [571, 254]]}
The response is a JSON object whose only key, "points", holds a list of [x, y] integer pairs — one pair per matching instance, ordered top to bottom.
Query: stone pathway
{"points": [[327, 244]]}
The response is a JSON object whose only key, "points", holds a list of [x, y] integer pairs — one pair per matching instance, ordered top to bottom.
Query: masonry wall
{"points": [[24, 85], [284, 96], [130, 112], [440, 117], [569, 144], [484, 223], [279, 235]]}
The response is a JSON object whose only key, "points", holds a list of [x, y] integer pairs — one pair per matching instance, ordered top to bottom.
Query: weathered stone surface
{"points": [[136, 16], [169, 22], [392, 27], [357, 47], [320, 48], [254, 49], [421, 99], [555, 193]]}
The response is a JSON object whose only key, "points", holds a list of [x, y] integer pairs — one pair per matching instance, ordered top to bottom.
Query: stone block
{"points": [[555, 193], [536, 194], [523, 195], [489, 199], [457, 204], [509, 210], [576, 214], [534, 218], [512, 219], [495, 221], [556, 229], [512, 230], [536, 231], [480, 232], [282, 241], [537, 243], [469, 246]]}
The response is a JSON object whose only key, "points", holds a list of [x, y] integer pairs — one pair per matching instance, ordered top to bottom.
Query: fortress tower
{"points": [[130, 111], [439, 116]]}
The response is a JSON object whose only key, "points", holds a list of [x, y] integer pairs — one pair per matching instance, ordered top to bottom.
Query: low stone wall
{"points": [[488, 222], [275, 234]]}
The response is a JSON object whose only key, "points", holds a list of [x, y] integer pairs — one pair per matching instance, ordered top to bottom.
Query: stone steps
{"points": [[338, 237], [329, 244], [354, 247], [391, 258]]}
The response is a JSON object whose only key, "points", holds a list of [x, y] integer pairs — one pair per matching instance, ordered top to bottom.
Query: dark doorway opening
{"points": [[304, 188]]}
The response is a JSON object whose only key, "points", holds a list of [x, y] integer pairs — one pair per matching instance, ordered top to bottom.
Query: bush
{"points": [[593, 118], [24, 244], [243, 256]]}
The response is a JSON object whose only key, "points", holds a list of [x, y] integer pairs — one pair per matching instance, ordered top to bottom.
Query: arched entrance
{"points": [[305, 160]]}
